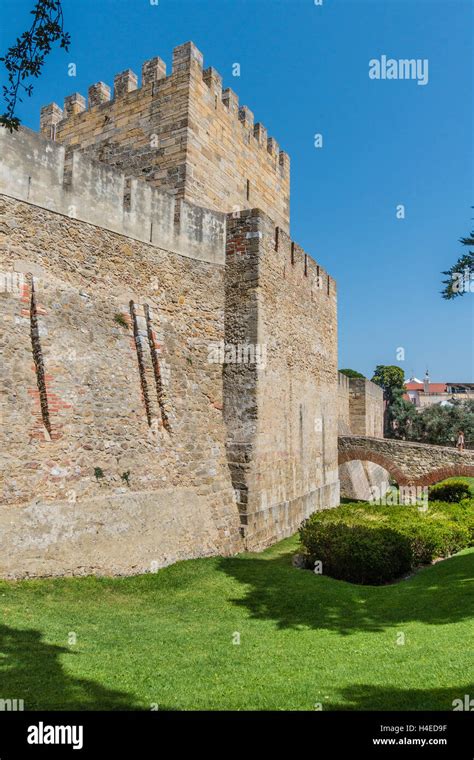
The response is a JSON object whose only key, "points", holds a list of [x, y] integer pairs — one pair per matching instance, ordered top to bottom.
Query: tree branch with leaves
{"points": [[25, 59], [461, 275]]}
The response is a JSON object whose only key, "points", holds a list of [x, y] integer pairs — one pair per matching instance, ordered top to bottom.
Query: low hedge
{"points": [[450, 491], [462, 513], [373, 545], [356, 553]]}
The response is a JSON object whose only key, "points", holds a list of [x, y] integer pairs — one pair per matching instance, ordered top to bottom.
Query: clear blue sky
{"points": [[304, 70]]}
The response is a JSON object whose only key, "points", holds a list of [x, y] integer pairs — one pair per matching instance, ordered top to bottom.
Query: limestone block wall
{"points": [[181, 133], [231, 162], [104, 348], [343, 395], [374, 402], [366, 407], [281, 412], [378, 477], [354, 482]]}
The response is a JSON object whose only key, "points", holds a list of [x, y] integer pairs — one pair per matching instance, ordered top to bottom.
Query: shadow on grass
{"points": [[276, 591], [30, 669], [365, 697]]}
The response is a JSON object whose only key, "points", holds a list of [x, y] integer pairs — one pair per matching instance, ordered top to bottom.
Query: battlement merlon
{"points": [[181, 132], [285, 257]]}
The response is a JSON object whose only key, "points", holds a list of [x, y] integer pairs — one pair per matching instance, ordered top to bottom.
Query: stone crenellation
{"points": [[182, 132]]}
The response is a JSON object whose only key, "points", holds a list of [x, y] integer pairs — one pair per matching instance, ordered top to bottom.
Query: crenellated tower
{"points": [[182, 133], [160, 323]]}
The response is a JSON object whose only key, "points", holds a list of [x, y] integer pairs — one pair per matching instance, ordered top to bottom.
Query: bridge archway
{"points": [[362, 454], [365, 455], [435, 476]]}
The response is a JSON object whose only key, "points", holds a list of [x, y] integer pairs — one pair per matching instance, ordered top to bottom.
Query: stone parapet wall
{"points": [[37, 171]]}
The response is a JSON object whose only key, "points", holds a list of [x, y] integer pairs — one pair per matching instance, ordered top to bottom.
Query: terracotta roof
{"points": [[433, 387]]}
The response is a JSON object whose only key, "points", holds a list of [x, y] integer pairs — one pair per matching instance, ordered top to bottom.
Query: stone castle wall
{"points": [[181, 133], [169, 383], [343, 395], [132, 396], [366, 407], [282, 442], [124, 445]]}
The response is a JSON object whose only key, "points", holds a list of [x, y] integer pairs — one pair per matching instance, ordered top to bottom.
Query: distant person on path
{"points": [[460, 443]]}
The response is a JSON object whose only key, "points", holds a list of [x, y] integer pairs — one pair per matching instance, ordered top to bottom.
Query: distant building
{"points": [[423, 394]]}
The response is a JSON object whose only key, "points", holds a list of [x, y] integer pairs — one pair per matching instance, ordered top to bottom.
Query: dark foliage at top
{"points": [[24, 60]]}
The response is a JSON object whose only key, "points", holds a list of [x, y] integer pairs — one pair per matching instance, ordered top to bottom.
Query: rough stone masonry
{"points": [[139, 239]]}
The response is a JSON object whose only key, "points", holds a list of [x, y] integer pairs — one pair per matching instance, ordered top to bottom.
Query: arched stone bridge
{"points": [[416, 464]]}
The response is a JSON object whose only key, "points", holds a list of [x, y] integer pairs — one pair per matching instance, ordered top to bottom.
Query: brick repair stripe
{"points": [[38, 359], [141, 363], [156, 370]]}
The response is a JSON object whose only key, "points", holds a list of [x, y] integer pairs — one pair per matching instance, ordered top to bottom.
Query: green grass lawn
{"points": [[167, 638]]}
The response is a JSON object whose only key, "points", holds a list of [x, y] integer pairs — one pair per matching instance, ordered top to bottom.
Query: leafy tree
{"points": [[26, 57], [460, 278], [351, 373], [391, 378], [401, 416], [434, 424], [441, 424]]}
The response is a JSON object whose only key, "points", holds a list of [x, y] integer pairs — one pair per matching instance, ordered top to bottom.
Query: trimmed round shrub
{"points": [[451, 491], [356, 553]]}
